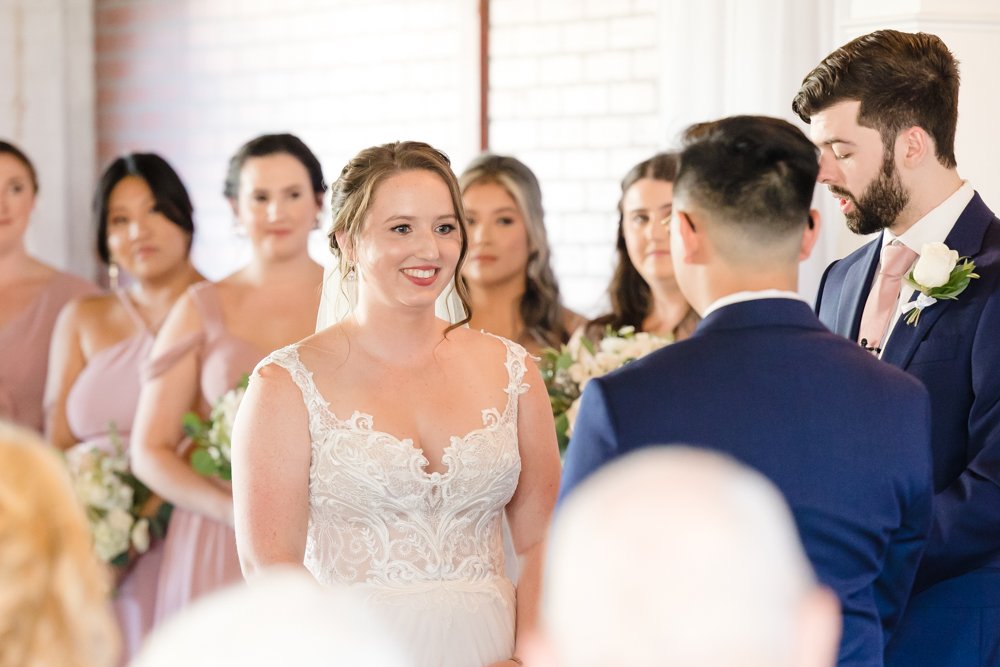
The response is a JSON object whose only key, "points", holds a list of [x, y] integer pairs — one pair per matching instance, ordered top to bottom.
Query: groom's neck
{"points": [[724, 279]]}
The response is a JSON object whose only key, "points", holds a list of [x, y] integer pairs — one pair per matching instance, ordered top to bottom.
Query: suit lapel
{"points": [[967, 238], [857, 283]]}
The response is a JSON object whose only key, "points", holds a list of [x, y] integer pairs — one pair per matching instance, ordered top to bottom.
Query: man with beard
{"points": [[883, 110]]}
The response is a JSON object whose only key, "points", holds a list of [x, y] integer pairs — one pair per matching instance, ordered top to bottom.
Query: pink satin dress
{"points": [[24, 350], [103, 398], [199, 552]]}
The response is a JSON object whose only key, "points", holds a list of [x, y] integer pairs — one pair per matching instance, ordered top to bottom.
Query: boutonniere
{"points": [[938, 274]]}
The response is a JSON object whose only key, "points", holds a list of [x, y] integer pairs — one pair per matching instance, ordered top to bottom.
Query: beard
{"points": [[880, 203]]}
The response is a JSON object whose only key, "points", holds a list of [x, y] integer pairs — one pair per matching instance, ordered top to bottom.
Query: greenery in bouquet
{"points": [[567, 371], [212, 437], [116, 503]]}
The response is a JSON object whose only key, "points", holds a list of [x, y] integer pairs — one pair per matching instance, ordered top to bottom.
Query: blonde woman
{"points": [[513, 290], [382, 452], [54, 607]]}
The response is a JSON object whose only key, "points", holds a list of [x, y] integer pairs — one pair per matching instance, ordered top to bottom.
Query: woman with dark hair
{"points": [[144, 229], [643, 291], [514, 292], [31, 295], [215, 334]]}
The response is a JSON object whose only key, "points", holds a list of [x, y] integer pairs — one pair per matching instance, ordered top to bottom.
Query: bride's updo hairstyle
{"points": [[354, 193]]}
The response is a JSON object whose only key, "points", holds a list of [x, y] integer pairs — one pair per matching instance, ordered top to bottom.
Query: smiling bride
{"points": [[383, 451]]}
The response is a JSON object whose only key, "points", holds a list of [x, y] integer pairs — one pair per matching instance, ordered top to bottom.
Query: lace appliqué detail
{"points": [[378, 517]]}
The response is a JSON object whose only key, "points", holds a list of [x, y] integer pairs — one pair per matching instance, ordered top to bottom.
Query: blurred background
{"points": [[580, 90]]}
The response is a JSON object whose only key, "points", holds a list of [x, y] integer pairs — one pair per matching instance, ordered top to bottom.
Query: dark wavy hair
{"points": [[901, 79], [270, 144], [7, 148], [168, 190], [631, 297], [540, 308]]}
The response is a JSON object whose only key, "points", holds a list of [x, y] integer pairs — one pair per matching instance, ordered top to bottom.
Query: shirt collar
{"points": [[936, 225], [751, 295]]}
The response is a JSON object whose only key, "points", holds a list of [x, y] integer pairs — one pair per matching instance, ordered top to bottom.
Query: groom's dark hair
{"points": [[755, 173]]}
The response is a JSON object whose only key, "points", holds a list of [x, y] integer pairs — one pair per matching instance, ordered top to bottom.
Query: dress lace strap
{"points": [[288, 358], [515, 364]]}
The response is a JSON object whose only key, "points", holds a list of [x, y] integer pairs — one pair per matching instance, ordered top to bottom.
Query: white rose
{"points": [[935, 265], [140, 536]]}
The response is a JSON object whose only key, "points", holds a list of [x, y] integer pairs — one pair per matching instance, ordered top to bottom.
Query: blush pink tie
{"points": [[883, 299]]}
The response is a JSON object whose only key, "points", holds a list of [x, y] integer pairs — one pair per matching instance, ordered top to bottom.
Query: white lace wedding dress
{"points": [[425, 548]]}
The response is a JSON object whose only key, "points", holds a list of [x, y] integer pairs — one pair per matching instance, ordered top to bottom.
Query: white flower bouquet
{"points": [[568, 370], [212, 438], [115, 502]]}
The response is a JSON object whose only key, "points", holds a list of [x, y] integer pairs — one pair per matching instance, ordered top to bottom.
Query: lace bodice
{"points": [[376, 516]]}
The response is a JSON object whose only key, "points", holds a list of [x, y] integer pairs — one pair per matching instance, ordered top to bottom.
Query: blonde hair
{"points": [[354, 193], [540, 308], [54, 608]]}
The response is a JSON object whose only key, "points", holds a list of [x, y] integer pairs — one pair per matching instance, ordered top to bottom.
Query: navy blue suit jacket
{"points": [[955, 352], [845, 438]]}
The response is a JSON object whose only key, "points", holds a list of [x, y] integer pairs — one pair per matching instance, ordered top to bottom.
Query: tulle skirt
{"points": [[449, 623]]}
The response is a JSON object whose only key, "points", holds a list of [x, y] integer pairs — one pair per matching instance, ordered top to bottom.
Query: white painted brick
{"points": [[646, 6], [606, 8], [560, 10], [513, 12], [632, 32], [585, 36], [537, 39], [646, 64], [607, 66], [561, 69], [516, 72], [633, 97], [583, 100], [542, 102], [648, 131], [513, 132], [560, 132], [607, 132], [623, 159], [544, 163], [583, 163], [602, 194], [565, 196]]}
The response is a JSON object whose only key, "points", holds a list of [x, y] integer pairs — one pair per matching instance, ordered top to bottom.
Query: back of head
{"points": [[901, 79], [753, 177], [675, 556], [53, 592], [282, 617]]}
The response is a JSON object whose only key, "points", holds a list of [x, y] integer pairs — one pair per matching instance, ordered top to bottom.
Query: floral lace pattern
{"points": [[378, 517]]}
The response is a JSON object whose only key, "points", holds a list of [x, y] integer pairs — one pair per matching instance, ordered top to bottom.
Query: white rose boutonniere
{"points": [[938, 274]]}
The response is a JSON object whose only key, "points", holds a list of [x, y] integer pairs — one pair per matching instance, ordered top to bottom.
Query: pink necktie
{"points": [[884, 297]]}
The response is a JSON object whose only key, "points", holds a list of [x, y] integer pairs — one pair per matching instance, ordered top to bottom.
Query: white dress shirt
{"points": [[932, 228], [751, 295]]}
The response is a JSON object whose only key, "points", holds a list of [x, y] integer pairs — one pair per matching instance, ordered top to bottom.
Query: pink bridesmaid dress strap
{"points": [[205, 297], [131, 311], [160, 363]]}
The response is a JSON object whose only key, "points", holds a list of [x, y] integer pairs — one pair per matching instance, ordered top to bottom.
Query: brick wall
{"points": [[194, 79], [574, 93]]}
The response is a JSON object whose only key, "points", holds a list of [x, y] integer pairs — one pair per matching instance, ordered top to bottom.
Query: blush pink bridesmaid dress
{"points": [[24, 350], [104, 397], [200, 553]]}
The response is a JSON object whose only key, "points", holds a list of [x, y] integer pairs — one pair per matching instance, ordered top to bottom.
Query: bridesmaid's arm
{"points": [[66, 362], [157, 429], [271, 453], [530, 510]]}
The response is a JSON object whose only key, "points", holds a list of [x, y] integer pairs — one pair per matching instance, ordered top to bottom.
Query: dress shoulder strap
{"points": [[205, 296], [131, 310], [288, 358], [515, 362]]}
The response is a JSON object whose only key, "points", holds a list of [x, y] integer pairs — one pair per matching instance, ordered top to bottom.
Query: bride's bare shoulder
{"points": [[471, 343]]}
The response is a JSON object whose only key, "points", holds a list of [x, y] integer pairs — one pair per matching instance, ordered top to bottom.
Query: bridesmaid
{"points": [[144, 228], [513, 289], [643, 290], [31, 295], [215, 334]]}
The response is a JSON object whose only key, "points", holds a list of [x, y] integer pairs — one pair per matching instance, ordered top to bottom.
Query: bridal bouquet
{"points": [[568, 370], [213, 437], [115, 503]]}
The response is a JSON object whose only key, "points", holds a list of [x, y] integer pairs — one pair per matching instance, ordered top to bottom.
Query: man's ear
{"points": [[917, 145], [810, 235], [692, 239]]}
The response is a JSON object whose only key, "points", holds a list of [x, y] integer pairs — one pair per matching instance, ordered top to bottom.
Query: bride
{"points": [[382, 451]]}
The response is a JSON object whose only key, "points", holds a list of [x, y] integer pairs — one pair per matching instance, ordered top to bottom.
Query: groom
{"points": [[883, 109], [844, 437]]}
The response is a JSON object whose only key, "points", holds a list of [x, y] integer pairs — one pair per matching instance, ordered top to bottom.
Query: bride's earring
{"points": [[351, 273], [113, 276]]}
